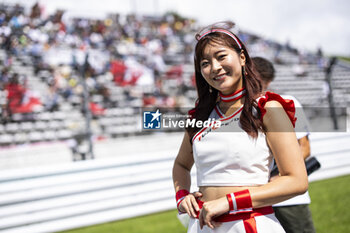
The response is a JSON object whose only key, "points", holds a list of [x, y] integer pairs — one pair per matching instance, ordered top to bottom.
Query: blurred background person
{"points": [[294, 214]]}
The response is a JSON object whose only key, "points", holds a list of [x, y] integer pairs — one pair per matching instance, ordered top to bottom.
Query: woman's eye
{"points": [[222, 56], [204, 64]]}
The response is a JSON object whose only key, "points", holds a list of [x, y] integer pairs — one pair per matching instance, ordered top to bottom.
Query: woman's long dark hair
{"points": [[206, 100]]}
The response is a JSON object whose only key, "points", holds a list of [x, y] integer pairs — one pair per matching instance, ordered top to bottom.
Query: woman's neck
{"points": [[228, 103], [229, 107]]}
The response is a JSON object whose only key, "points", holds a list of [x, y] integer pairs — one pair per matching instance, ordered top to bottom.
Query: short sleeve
{"points": [[288, 105]]}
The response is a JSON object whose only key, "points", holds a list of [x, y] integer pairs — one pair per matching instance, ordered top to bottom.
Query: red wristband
{"points": [[180, 195], [243, 199], [239, 200], [230, 201]]}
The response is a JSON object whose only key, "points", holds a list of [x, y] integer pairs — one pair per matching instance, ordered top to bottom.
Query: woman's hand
{"points": [[189, 204], [212, 209]]}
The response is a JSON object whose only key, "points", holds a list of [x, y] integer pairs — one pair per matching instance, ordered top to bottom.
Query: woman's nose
{"points": [[216, 67]]}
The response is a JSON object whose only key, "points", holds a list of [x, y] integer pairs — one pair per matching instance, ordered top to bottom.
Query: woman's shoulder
{"points": [[271, 100]]}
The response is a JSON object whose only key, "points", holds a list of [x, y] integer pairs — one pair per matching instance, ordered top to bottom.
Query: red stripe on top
{"points": [[218, 111], [234, 114], [224, 119], [194, 138]]}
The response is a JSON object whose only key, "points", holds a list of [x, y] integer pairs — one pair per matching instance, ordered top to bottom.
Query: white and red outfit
{"points": [[227, 156]]}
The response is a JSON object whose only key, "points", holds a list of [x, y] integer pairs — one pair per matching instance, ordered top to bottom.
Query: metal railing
{"points": [[90, 192]]}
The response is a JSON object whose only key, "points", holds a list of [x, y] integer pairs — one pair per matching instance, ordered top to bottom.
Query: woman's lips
{"points": [[219, 77]]}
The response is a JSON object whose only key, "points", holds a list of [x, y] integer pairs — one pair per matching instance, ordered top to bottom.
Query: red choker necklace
{"points": [[232, 97]]}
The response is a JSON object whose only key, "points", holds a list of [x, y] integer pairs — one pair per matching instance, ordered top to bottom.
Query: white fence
{"points": [[62, 197]]}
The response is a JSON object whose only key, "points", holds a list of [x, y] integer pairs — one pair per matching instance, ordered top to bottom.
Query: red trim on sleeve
{"points": [[288, 105]]}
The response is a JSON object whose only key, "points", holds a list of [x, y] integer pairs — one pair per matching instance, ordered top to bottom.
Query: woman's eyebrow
{"points": [[219, 51], [215, 53]]}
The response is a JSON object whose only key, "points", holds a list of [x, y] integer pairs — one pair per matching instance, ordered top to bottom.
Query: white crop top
{"points": [[227, 156]]}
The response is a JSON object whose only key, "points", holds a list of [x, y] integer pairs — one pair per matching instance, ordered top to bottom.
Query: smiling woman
{"points": [[221, 64], [221, 68], [233, 161]]}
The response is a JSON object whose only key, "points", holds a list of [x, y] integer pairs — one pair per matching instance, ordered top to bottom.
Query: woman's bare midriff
{"points": [[215, 192]]}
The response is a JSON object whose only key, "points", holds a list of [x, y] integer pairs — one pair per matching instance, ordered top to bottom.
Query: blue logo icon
{"points": [[151, 120]]}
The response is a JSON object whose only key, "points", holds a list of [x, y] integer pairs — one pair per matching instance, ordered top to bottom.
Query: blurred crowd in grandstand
{"points": [[129, 51], [133, 61]]}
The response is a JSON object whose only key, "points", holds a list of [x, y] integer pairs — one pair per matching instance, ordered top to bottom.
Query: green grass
{"points": [[345, 58], [330, 202], [330, 211], [165, 222]]}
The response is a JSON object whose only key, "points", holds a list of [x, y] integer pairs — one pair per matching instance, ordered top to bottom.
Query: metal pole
{"points": [[330, 94], [86, 109]]}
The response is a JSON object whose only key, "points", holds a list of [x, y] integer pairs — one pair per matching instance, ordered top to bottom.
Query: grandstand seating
{"points": [[121, 116], [123, 121]]}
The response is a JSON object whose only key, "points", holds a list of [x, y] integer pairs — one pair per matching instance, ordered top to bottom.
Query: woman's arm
{"points": [[285, 148], [182, 177]]}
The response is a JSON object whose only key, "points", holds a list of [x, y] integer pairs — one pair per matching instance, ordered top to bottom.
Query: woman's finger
{"points": [[197, 194], [191, 203], [195, 204], [185, 207], [201, 220], [207, 221], [210, 224], [216, 224]]}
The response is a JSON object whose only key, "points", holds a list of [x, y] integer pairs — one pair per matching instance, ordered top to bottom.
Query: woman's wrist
{"points": [[180, 195], [239, 200], [227, 205]]}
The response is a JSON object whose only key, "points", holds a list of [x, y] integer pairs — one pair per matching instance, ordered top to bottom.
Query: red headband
{"points": [[222, 31]]}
